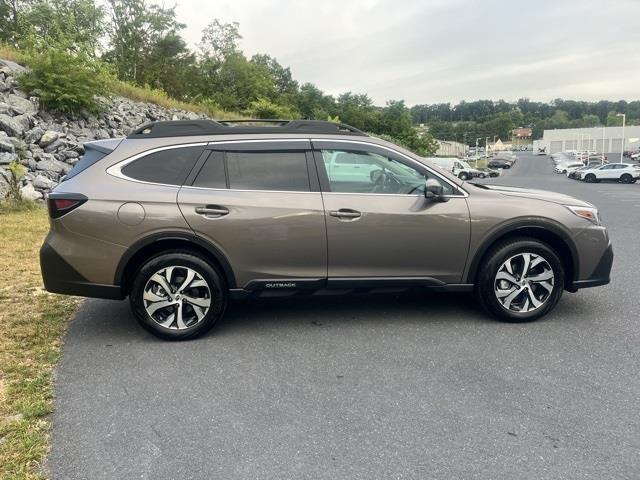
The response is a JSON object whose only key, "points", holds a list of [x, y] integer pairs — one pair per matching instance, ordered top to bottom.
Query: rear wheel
{"points": [[463, 176], [626, 178], [520, 280], [178, 296]]}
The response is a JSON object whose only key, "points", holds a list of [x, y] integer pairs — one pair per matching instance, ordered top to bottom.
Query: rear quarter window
{"points": [[168, 167]]}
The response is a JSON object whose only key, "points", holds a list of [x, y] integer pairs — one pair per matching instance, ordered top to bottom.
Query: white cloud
{"points": [[432, 51]]}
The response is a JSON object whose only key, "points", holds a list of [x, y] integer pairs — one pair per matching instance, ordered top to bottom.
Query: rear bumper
{"points": [[602, 273], [60, 277]]}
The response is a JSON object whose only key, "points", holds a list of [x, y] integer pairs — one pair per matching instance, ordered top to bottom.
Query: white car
{"points": [[635, 155], [564, 167], [623, 172]]}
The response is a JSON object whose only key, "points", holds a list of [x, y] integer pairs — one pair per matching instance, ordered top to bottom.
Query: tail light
{"points": [[62, 203]]}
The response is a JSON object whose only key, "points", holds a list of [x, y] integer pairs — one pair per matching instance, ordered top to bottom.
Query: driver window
{"points": [[368, 172]]}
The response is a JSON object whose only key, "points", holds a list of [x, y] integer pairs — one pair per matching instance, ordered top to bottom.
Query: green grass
{"points": [[32, 322]]}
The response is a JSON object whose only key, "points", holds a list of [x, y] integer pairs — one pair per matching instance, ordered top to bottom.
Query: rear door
{"points": [[259, 203], [381, 229]]}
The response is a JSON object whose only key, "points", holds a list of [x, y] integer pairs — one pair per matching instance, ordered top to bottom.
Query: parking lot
{"points": [[388, 386]]}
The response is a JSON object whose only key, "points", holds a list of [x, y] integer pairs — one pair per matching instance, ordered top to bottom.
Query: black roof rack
{"points": [[182, 128]]}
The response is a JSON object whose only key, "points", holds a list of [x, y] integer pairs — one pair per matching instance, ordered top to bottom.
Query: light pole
{"points": [[624, 119], [494, 142], [486, 147], [477, 152], [602, 156]]}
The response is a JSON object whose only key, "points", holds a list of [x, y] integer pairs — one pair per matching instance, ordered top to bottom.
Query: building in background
{"points": [[521, 136], [600, 139], [450, 149]]}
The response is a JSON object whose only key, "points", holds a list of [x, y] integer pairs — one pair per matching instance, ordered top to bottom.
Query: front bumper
{"points": [[602, 273], [60, 277]]}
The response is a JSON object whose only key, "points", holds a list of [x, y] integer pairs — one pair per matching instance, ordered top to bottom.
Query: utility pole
{"points": [[624, 119], [486, 147], [477, 152]]}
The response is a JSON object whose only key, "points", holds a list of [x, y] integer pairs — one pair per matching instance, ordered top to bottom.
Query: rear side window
{"points": [[90, 157], [169, 167], [256, 170], [285, 171]]}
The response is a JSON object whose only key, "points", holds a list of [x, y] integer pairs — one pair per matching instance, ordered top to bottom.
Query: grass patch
{"points": [[8, 52], [32, 322]]}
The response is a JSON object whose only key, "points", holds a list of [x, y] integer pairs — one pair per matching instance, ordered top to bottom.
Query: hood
{"points": [[545, 195]]}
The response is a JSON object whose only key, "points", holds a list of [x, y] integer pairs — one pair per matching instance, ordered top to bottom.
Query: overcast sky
{"points": [[430, 51]]}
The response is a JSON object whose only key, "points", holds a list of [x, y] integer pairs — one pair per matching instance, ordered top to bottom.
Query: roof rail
{"points": [[182, 128]]}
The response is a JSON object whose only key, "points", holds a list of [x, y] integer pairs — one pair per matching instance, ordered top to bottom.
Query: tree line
{"points": [[140, 43]]}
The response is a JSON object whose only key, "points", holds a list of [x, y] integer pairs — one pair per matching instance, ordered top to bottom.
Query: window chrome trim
{"points": [[115, 170], [246, 190], [465, 194]]}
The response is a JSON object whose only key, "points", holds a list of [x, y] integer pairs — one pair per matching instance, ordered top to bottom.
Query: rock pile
{"points": [[49, 144]]}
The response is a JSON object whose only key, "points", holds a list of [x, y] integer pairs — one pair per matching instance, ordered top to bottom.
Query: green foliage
{"points": [[63, 81], [263, 108], [12, 178]]}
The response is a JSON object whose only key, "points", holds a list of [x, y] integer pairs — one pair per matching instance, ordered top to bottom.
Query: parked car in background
{"points": [[635, 156], [499, 163], [564, 167], [488, 172], [621, 172], [576, 173]]}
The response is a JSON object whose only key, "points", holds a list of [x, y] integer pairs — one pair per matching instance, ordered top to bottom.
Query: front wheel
{"points": [[463, 176], [591, 178], [520, 280], [178, 296]]}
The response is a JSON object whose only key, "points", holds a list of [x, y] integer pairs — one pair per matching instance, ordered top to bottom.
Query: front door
{"points": [[259, 203], [383, 226]]}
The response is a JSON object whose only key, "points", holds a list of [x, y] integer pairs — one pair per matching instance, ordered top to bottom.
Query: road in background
{"points": [[410, 386]]}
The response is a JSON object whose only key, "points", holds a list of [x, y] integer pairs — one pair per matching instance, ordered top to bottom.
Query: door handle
{"points": [[212, 211], [345, 213]]}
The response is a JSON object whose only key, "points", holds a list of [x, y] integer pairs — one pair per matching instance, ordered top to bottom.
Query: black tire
{"points": [[507, 166], [482, 175], [463, 176], [591, 178], [626, 178], [486, 279], [215, 282]]}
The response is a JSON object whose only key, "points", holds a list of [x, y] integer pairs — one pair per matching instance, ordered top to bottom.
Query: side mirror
{"points": [[434, 191]]}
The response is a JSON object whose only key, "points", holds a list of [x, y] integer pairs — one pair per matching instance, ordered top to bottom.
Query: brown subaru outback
{"points": [[181, 216]]}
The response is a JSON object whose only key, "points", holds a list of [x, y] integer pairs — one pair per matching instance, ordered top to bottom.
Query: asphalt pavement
{"points": [[399, 386]]}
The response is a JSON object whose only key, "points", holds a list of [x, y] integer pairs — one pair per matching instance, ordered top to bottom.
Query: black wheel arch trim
{"points": [[512, 227], [172, 236]]}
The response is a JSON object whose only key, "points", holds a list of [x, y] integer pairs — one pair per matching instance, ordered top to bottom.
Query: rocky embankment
{"points": [[48, 144]]}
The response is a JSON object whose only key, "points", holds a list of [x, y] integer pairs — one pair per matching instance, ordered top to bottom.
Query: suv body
{"points": [[623, 172], [180, 216]]}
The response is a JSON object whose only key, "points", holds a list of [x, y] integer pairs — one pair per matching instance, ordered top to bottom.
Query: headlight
{"points": [[588, 213]]}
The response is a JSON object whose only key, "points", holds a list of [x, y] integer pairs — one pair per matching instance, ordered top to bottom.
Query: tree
{"points": [[73, 25], [135, 29], [220, 40]]}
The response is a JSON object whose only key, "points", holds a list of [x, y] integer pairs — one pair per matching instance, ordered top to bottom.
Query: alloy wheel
{"points": [[524, 282], [177, 297]]}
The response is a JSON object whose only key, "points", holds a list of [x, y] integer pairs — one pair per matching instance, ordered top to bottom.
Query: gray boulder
{"points": [[20, 105], [13, 127], [34, 135], [48, 138], [7, 146], [6, 158], [53, 166], [43, 183], [29, 193]]}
